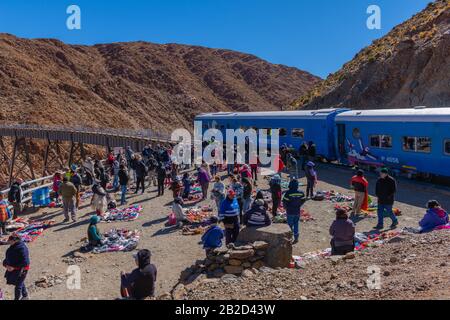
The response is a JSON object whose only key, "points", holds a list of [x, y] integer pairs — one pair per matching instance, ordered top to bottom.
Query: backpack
{"points": [[13, 193]]}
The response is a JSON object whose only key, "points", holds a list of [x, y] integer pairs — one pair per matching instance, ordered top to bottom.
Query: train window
{"points": [[283, 132], [298, 133], [356, 133], [381, 141], [417, 144], [447, 147]]}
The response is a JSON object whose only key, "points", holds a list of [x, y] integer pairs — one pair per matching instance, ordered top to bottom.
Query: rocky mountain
{"points": [[408, 67], [135, 85]]}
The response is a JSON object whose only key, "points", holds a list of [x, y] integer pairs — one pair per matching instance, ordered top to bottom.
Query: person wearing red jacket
{"points": [[361, 186]]}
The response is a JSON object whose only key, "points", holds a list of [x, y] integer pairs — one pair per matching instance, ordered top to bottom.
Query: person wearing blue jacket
{"points": [[292, 201], [229, 214], [434, 217], [212, 238], [17, 264]]}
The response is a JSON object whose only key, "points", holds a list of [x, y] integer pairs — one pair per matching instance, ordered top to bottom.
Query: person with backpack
{"points": [[123, 181], [68, 193], [15, 197], [293, 201], [5, 215], [257, 215], [17, 264], [140, 283]]}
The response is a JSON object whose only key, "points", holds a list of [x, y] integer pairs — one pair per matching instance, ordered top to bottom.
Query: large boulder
{"points": [[278, 236]]}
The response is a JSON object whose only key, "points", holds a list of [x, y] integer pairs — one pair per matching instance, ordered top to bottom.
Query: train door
{"points": [[341, 141]]}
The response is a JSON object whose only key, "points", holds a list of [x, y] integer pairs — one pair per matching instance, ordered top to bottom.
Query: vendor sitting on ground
{"points": [[260, 195], [177, 209], [257, 216], [434, 217], [342, 231], [94, 235], [212, 238], [140, 283]]}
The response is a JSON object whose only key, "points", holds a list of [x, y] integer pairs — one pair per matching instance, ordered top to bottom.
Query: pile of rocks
{"points": [[234, 259]]}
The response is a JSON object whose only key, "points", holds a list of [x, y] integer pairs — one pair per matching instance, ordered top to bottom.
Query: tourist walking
{"points": [[141, 172], [123, 181], [385, 190], [68, 193], [292, 201], [17, 264]]}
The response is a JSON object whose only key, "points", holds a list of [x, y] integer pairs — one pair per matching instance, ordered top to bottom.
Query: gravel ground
{"points": [[52, 253]]}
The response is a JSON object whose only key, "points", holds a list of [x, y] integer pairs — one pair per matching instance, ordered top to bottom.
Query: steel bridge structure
{"points": [[60, 147]]}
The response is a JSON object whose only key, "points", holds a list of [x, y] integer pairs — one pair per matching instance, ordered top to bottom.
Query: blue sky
{"points": [[315, 35]]}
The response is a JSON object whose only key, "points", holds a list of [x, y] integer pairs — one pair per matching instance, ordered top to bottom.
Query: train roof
{"points": [[319, 114], [418, 114]]}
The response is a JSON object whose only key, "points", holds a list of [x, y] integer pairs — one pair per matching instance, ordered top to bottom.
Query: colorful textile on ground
{"points": [[86, 195], [334, 196], [122, 214], [199, 215], [305, 216], [191, 230], [28, 231], [119, 240]]}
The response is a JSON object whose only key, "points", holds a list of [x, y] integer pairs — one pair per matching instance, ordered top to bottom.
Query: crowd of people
{"points": [[238, 201]]}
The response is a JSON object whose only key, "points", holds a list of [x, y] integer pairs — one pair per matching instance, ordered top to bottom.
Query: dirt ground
{"points": [[173, 252]]}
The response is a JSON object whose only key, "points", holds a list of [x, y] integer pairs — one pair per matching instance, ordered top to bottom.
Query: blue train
{"points": [[412, 141]]}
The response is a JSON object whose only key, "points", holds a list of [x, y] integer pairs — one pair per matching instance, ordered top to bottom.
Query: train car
{"points": [[295, 127], [412, 141]]}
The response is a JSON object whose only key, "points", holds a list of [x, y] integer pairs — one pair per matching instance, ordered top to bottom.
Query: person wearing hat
{"points": [[311, 179], [361, 186], [275, 190], [385, 190], [68, 192], [15, 197], [293, 200], [177, 209], [229, 214], [257, 216], [342, 231], [94, 235], [212, 238], [17, 264], [140, 283]]}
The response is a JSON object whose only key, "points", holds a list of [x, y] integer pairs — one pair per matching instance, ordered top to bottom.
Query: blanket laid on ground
{"points": [[334, 196], [122, 214], [199, 215], [305, 216], [28, 231], [119, 240]]}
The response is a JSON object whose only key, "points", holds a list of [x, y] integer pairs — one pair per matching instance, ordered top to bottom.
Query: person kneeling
{"points": [[257, 216], [434, 217], [342, 231], [94, 236], [140, 283]]}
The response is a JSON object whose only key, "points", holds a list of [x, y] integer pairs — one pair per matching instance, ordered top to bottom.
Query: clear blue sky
{"points": [[315, 35]]}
